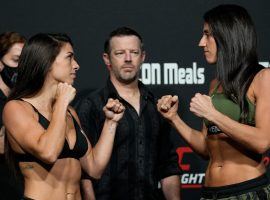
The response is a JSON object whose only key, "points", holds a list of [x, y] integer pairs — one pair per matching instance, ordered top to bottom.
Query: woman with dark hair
{"points": [[11, 44], [236, 114], [43, 131]]}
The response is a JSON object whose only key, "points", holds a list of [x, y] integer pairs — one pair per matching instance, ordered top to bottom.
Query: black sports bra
{"points": [[79, 150]]}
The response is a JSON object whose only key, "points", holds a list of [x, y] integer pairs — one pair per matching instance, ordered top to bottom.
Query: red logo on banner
{"points": [[181, 151], [188, 180]]}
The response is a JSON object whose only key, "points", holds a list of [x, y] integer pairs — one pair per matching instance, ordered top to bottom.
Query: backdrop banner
{"points": [[171, 31]]}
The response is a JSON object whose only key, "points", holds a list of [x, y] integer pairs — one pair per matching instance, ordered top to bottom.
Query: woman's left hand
{"points": [[202, 106]]}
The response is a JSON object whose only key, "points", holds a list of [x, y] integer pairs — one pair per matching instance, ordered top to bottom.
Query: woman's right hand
{"points": [[65, 93], [168, 106], [114, 110]]}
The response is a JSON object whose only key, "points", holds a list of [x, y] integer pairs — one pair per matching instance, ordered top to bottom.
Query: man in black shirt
{"points": [[143, 153]]}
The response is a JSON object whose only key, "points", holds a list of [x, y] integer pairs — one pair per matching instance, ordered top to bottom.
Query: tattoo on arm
{"points": [[112, 128], [28, 166]]}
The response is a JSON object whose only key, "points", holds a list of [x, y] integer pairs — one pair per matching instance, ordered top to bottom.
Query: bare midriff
{"points": [[229, 162], [61, 182]]}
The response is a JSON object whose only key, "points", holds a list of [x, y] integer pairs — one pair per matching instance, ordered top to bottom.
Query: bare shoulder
{"points": [[264, 73], [261, 81], [12, 104], [15, 108], [16, 111]]}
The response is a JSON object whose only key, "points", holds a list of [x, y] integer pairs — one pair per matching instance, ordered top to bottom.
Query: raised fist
{"points": [[65, 92], [168, 106], [114, 110]]}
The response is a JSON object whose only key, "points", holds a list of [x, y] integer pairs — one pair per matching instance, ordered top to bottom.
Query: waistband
{"points": [[235, 189]]}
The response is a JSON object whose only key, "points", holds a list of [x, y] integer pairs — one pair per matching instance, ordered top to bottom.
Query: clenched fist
{"points": [[65, 93], [168, 106], [202, 106], [114, 110]]}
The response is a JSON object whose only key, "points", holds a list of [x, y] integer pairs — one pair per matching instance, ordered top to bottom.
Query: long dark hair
{"points": [[37, 56], [237, 60], [35, 61]]}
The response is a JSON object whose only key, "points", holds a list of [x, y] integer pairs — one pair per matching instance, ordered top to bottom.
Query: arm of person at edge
{"points": [[5, 89], [26, 134], [256, 138], [2, 140], [96, 158], [171, 187], [87, 190]]}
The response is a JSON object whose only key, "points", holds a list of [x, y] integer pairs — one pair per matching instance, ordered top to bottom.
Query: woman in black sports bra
{"points": [[236, 113], [43, 131]]}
